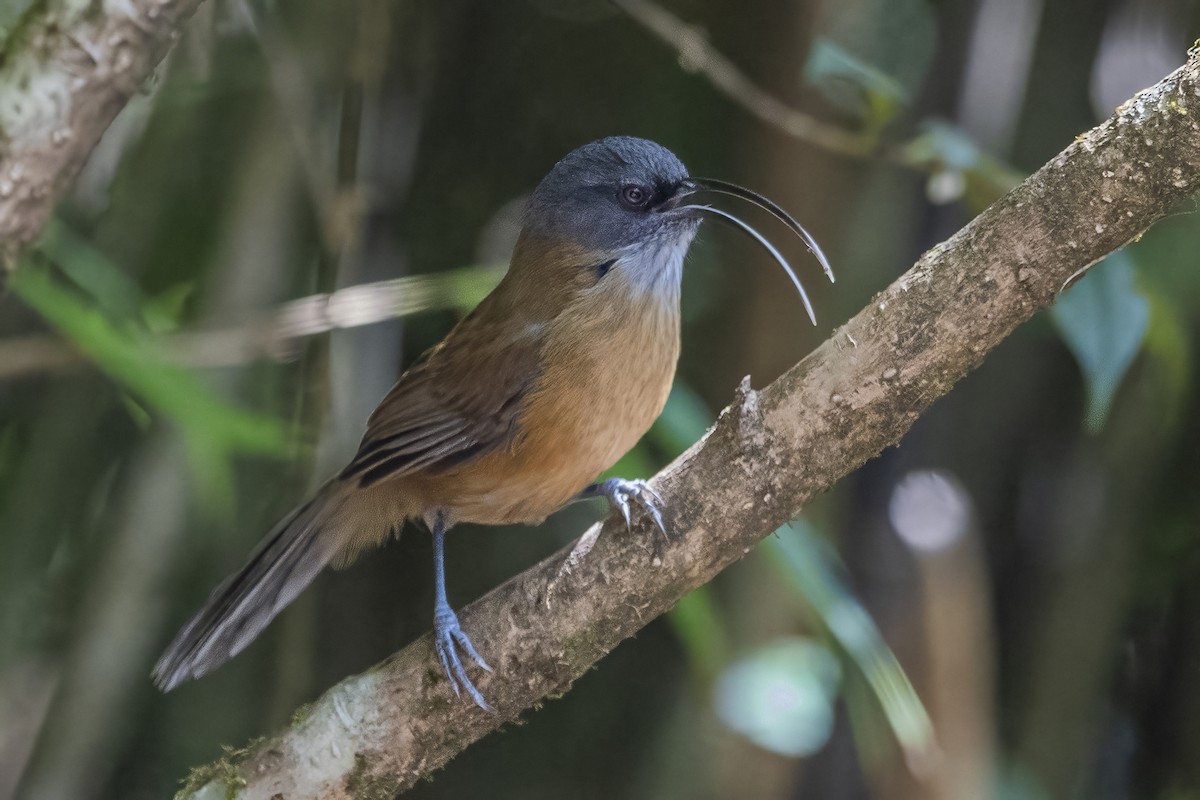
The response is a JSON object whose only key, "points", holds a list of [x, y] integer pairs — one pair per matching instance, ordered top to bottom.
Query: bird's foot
{"points": [[624, 495], [449, 637]]}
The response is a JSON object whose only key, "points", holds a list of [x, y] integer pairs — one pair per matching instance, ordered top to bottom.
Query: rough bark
{"points": [[65, 72], [375, 734]]}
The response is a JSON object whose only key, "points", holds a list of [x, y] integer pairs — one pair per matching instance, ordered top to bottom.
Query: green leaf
{"points": [[853, 85], [945, 145], [951, 157], [91, 271], [163, 313], [1103, 320], [810, 568], [781, 697]]}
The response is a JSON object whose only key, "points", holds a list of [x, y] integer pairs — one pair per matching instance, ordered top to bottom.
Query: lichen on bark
{"points": [[68, 68]]}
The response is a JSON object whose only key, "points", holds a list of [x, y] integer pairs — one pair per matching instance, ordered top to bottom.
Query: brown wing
{"points": [[459, 403]]}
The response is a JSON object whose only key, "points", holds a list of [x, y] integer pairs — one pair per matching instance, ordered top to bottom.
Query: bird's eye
{"points": [[635, 196]]}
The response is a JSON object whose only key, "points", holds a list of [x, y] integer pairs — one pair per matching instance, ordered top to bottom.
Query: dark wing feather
{"points": [[459, 403], [281, 566]]}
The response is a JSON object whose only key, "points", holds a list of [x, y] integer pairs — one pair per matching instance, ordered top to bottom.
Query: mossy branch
{"points": [[65, 72]]}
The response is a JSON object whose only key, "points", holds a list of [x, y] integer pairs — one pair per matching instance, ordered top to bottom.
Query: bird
{"points": [[532, 395]]}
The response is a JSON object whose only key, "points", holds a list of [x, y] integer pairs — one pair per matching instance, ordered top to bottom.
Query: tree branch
{"points": [[68, 68], [377, 733]]}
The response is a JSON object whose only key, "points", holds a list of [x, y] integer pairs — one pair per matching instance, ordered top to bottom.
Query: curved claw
{"points": [[621, 493], [448, 638]]}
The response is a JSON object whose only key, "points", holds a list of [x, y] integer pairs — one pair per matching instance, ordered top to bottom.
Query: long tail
{"points": [[281, 566]]}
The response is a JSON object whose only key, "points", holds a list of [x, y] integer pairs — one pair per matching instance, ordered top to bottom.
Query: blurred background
{"points": [[1005, 606]]}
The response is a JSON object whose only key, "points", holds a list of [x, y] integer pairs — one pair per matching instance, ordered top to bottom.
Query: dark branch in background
{"points": [[67, 70], [378, 733]]}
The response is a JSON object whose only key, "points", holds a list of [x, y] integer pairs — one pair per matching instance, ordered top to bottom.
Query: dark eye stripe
{"points": [[602, 269]]}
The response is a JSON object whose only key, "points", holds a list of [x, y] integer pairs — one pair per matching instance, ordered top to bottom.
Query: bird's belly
{"points": [[578, 423], [548, 467], [528, 496]]}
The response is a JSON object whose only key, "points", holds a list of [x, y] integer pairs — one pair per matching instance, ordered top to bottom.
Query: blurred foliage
{"points": [[854, 86], [358, 156], [958, 169], [1103, 320], [213, 430], [811, 571], [749, 685], [781, 697]]}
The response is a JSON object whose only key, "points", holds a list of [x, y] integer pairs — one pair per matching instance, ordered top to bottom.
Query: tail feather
{"points": [[282, 565]]}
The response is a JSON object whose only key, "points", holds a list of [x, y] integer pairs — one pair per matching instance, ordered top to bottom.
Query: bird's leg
{"points": [[622, 493], [448, 635]]}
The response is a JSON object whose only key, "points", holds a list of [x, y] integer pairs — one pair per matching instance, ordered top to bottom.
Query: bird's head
{"points": [[613, 195], [621, 204]]}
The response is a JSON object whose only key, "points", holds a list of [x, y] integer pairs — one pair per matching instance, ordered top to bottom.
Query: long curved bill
{"points": [[732, 189], [736, 222]]}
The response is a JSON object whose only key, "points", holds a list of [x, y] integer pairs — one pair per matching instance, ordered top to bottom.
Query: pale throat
{"points": [[654, 272]]}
